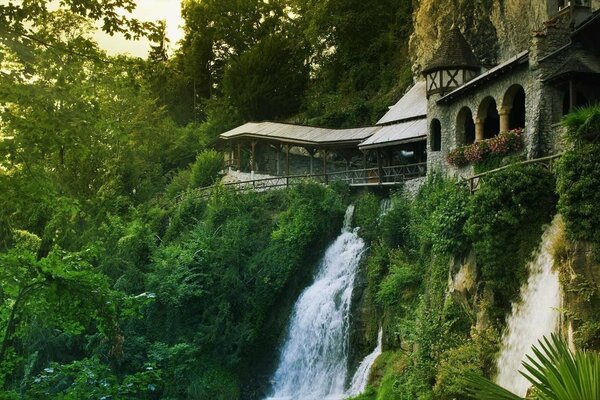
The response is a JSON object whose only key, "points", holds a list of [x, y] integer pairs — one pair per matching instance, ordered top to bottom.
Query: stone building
{"points": [[531, 90], [456, 102]]}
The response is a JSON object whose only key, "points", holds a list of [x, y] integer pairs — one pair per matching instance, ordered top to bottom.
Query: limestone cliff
{"points": [[496, 29]]}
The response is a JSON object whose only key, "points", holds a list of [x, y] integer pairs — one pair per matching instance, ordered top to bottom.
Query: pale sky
{"points": [[146, 10]]}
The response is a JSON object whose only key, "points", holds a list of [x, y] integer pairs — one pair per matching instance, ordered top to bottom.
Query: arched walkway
{"points": [[512, 112], [488, 119], [465, 127], [435, 135]]}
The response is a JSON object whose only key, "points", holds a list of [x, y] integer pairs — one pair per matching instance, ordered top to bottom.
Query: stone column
{"points": [[504, 113], [479, 122]]}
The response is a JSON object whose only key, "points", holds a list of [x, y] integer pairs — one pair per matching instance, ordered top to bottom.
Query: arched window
{"points": [[514, 104], [488, 115], [465, 127], [435, 133]]}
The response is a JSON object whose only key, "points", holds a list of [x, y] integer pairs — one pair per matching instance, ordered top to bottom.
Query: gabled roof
{"points": [[454, 52], [581, 63], [500, 69], [412, 105], [404, 132], [300, 134]]}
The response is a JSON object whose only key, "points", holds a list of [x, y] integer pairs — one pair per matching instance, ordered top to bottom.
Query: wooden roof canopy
{"points": [[300, 135]]}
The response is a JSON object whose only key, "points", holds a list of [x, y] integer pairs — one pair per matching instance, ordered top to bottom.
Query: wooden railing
{"points": [[354, 177], [474, 181]]}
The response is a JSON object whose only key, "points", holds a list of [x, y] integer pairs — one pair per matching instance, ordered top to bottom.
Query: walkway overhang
{"points": [[501, 69], [300, 135], [394, 135]]}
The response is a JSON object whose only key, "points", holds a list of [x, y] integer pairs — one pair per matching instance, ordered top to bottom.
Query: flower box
{"points": [[503, 144]]}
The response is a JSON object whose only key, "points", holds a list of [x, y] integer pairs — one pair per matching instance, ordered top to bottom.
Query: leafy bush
{"points": [[583, 125], [205, 170], [578, 176], [366, 215], [438, 215], [504, 224], [401, 282]]}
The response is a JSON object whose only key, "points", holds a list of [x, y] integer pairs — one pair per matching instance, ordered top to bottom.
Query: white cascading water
{"points": [[384, 206], [535, 316], [313, 363], [361, 376]]}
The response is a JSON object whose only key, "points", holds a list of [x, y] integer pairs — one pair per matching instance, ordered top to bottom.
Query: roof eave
{"points": [[519, 59], [392, 143]]}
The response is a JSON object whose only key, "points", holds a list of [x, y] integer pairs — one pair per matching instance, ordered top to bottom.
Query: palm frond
{"points": [[555, 372]]}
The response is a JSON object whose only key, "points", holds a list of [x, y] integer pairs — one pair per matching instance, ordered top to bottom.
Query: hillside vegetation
{"points": [[119, 280]]}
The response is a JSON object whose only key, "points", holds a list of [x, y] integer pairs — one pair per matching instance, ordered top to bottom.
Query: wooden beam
{"points": [[324, 152], [239, 156], [253, 156], [287, 160], [379, 166]]}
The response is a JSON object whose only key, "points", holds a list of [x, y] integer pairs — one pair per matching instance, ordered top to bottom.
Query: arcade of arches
{"points": [[490, 119]]}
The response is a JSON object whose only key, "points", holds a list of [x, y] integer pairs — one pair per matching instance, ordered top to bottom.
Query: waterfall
{"points": [[384, 206], [535, 316], [313, 364], [361, 376]]}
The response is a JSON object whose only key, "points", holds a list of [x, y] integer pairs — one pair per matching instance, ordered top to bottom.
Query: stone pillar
{"points": [[504, 113], [479, 122]]}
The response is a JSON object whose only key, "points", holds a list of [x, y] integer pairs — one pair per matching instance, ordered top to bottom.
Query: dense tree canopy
{"points": [[116, 279]]}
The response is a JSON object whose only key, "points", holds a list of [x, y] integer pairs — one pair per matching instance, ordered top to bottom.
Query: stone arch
{"points": [[512, 112], [488, 119], [465, 127], [435, 135]]}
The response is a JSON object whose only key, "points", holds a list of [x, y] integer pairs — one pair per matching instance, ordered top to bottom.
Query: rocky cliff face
{"points": [[495, 29]]}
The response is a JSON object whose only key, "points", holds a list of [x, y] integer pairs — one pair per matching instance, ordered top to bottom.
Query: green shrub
{"points": [[583, 125], [206, 168], [578, 183], [366, 215], [438, 215], [505, 221], [401, 282]]}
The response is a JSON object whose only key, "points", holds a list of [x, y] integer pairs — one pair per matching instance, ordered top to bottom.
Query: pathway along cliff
{"points": [[535, 316], [313, 363]]}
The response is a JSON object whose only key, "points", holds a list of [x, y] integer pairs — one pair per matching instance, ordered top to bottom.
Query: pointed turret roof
{"points": [[454, 52]]}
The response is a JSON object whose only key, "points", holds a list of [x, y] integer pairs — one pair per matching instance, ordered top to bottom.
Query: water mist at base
{"points": [[535, 316], [313, 363]]}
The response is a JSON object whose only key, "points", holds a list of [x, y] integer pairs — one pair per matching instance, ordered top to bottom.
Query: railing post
{"points": [[379, 167]]}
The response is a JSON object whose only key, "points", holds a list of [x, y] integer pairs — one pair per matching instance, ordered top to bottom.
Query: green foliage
{"points": [[267, 81], [583, 125], [206, 169], [578, 176], [439, 214], [366, 215], [504, 224], [401, 282], [476, 355], [555, 372], [90, 378]]}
